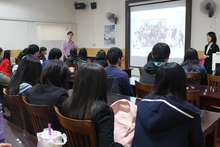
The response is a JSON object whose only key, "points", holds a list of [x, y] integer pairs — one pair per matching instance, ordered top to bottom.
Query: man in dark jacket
{"points": [[160, 54]]}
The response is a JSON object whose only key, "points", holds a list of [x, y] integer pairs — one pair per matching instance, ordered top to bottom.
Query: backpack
{"points": [[125, 116]]}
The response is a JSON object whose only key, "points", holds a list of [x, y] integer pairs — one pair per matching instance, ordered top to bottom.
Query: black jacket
{"points": [[208, 61], [149, 71]]}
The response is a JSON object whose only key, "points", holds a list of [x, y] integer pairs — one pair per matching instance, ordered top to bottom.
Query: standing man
{"points": [[67, 45]]}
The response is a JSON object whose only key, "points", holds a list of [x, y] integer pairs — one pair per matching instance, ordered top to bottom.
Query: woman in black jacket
{"points": [[210, 48]]}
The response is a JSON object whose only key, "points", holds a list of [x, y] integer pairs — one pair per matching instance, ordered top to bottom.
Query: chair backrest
{"points": [[140, 71], [193, 78], [213, 80], [112, 85], [143, 89], [193, 96], [17, 110], [39, 116], [80, 133]]}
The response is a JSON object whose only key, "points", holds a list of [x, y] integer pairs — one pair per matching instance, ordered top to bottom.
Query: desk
{"points": [[210, 95], [209, 120], [18, 137]]}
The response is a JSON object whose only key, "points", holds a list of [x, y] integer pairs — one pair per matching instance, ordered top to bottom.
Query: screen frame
{"points": [[188, 21]]}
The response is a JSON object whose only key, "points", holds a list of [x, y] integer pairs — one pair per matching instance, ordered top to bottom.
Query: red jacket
{"points": [[4, 66]]}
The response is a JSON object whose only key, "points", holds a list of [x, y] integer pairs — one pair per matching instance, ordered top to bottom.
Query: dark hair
{"points": [[70, 32], [213, 36], [1, 49], [32, 49], [43, 49], [160, 51], [73, 52], [23, 53], [54, 53], [7, 54], [83, 54], [113, 54], [101, 55], [149, 57], [191, 59], [29, 70], [55, 73], [170, 82], [88, 88]]}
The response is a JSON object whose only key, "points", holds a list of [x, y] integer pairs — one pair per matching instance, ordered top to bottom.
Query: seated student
{"points": [[33, 49], [1, 50], [42, 53], [54, 53], [22, 54], [160, 54], [73, 56], [114, 57], [101, 58], [82, 59], [6, 62], [191, 64], [26, 76], [50, 91], [88, 102], [165, 118]]}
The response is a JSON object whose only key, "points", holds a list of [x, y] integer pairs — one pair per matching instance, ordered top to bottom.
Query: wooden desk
{"points": [[210, 95], [209, 120], [18, 137]]}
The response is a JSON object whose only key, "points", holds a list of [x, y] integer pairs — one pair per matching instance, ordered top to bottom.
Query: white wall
{"points": [[19, 20]]}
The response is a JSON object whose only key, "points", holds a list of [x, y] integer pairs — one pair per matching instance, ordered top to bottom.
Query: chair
{"points": [[140, 71], [193, 78], [213, 80], [113, 86], [143, 89], [193, 96], [17, 110], [39, 116], [80, 133]]}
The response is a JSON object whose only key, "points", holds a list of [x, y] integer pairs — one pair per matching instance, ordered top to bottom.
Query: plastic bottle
{"points": [[2, 132]]}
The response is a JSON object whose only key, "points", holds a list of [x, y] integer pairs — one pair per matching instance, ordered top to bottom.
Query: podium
{"points": [[215, 61]]}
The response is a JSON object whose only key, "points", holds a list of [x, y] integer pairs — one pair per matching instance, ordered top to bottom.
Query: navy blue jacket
{"points": [[162, 122]]}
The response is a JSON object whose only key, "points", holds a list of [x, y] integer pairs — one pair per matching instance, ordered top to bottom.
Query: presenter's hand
{"points": [[205, 56]]}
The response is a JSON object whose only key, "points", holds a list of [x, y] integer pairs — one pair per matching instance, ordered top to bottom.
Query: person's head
{"points": [[69, 35], [211, 37], [33, 49], [43, 50], [1, 51], [73, 52], [161, 52], [54, 53], [83, 53], [7, 54], [101, 55], [114, 55], [191, 55], [149, 57], [29, 71], [55, 73], [170, 81], [87, 89]]}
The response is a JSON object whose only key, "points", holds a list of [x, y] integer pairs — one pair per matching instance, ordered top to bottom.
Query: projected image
{"points": [[148, 27]]}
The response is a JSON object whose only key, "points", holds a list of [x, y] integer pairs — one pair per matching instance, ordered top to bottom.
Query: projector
{"points": [[80, 5]]}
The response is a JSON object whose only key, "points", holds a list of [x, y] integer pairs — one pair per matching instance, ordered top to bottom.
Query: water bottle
{"points": [[2, 132]]}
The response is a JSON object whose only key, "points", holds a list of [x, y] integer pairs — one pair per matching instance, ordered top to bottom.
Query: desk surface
{"points": [[18, 137]]}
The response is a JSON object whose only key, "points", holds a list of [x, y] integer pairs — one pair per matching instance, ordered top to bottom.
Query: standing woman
{"points": [[210, 48], [5, 62]]}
